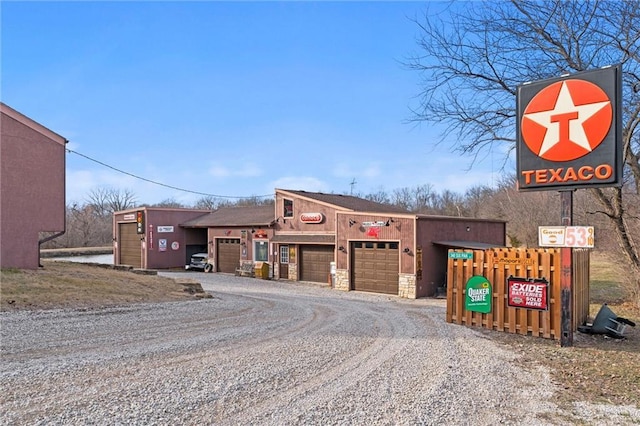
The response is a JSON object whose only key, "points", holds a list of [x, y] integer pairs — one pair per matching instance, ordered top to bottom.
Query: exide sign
{"points": [[569, 131], [311, 217], [529, 294]]}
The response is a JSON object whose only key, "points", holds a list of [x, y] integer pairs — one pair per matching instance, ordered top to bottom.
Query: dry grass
{"points": [[73, 285]]}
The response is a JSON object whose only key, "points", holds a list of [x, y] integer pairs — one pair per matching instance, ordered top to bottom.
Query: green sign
{"points": [[460, 255], [478, 295]]}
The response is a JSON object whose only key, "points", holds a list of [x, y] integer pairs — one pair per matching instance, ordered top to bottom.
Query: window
{"points": [[288, 208], [260, 251], [284, 254]]}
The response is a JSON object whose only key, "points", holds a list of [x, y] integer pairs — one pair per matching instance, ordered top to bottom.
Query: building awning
{"points": [[304, 239], [474, 245]]}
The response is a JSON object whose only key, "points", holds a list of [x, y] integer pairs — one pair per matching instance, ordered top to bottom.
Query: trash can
{"points": [[262, 270]]}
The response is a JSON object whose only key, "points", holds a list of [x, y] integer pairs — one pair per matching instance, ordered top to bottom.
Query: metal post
{"points": [[566, 278]]}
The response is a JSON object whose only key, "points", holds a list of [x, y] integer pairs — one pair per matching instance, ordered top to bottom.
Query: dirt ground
{"points": [[596, 368]]}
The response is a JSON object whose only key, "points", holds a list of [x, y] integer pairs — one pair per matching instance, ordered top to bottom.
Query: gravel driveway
{"points": [[263, 352]]}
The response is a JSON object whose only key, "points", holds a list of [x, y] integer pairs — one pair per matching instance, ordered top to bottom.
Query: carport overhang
{"points": [[473, 245]]}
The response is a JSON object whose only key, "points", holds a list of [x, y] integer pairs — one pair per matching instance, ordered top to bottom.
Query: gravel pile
{"points": [[264, 352]]}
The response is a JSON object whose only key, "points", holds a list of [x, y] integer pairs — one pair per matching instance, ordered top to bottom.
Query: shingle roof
{"points": [[348, 202], [234, 216]]}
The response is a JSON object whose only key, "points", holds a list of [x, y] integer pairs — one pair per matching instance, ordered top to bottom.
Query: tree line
{"points": [[90, 224]]}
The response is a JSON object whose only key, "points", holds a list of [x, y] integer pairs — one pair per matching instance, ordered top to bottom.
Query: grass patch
{"points": [[607, 284], [74, 285]]}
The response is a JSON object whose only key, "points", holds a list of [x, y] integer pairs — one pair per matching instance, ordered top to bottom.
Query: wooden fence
{"points": [[497, 265]]}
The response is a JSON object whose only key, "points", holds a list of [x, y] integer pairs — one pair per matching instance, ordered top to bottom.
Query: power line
{"points": [[160, 183]]}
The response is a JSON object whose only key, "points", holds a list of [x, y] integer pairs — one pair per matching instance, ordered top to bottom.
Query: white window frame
{"points": [[284, 255]]}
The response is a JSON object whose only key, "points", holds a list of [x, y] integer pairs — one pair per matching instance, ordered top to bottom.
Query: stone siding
{"points": [[293, 271], [342, 280], [407, 286]]}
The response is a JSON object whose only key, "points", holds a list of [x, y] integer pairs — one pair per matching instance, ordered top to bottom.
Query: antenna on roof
{"points": [[353, 183]]}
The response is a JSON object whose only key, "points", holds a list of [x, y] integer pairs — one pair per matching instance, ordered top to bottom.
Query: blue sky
{"points": [[229, 98]]}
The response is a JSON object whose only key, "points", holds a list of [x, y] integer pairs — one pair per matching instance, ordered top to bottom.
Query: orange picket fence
{"points": [[501, 267]]}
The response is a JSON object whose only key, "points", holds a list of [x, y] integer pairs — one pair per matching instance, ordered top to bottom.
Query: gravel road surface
{"points": [[263, 352]]}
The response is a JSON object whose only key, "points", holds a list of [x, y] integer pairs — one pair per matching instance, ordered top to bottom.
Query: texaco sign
{"points": [[569, 131]]}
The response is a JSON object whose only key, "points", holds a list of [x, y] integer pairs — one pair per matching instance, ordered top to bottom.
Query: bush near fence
{"points": [[497, 265]]}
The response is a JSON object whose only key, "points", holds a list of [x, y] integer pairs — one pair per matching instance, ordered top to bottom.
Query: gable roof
{"points": [[34, 125], [347, 202], [234, 216]]}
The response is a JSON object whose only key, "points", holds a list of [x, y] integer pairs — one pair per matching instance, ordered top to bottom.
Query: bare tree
{"points": [[473, 56], [379, 196], [419, 199], [106, 201], [253, 201], [169, 203], [207, 203], [450, 203], [524, 212]]}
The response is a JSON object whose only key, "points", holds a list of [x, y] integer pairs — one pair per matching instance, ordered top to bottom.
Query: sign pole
{"points": [[566, 277]]}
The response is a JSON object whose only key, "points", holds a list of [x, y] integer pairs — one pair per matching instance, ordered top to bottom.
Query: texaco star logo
{"points": [[566, 120]]}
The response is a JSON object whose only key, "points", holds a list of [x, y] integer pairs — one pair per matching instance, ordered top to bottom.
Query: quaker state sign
{"points": [[569, 131]]}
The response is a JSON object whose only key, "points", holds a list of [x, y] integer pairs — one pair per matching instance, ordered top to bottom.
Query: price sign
{"points": [[566, 236], [579, 236]]}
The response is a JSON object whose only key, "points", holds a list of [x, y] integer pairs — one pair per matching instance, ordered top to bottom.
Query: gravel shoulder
{"points": [[266, 352]]}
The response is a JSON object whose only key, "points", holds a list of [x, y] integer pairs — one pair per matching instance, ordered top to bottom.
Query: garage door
{"points": [[129, 244], [228, 250], [315, 263], [375, 267]]}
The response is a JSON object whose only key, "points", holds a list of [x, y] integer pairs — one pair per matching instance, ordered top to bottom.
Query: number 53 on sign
{"points": [[566, 236]]}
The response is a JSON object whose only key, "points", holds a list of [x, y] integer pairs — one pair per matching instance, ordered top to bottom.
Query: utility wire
{"points": [[163, 184]]}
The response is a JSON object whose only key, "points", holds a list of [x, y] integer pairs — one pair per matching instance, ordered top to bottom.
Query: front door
{"points": [[284, 262]]}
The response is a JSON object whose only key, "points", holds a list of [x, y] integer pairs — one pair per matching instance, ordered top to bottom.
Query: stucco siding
{"points": [[32, 180]]}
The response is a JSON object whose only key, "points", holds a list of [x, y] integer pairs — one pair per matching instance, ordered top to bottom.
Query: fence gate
{"points": [[508, 274]]}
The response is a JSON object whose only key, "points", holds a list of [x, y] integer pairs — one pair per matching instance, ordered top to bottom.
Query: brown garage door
{"points": [[129, 245], [228, 250], [314, 263], [375, 266]]}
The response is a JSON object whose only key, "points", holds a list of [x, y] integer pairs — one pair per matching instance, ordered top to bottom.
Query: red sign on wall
{"points": [[311, 217], [529, 294]]}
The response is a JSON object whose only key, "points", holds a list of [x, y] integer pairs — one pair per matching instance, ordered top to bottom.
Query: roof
{"points": [[21, 118], [348, 202], [234, 216], [457, 218], [304, 239], [475, 245]]}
